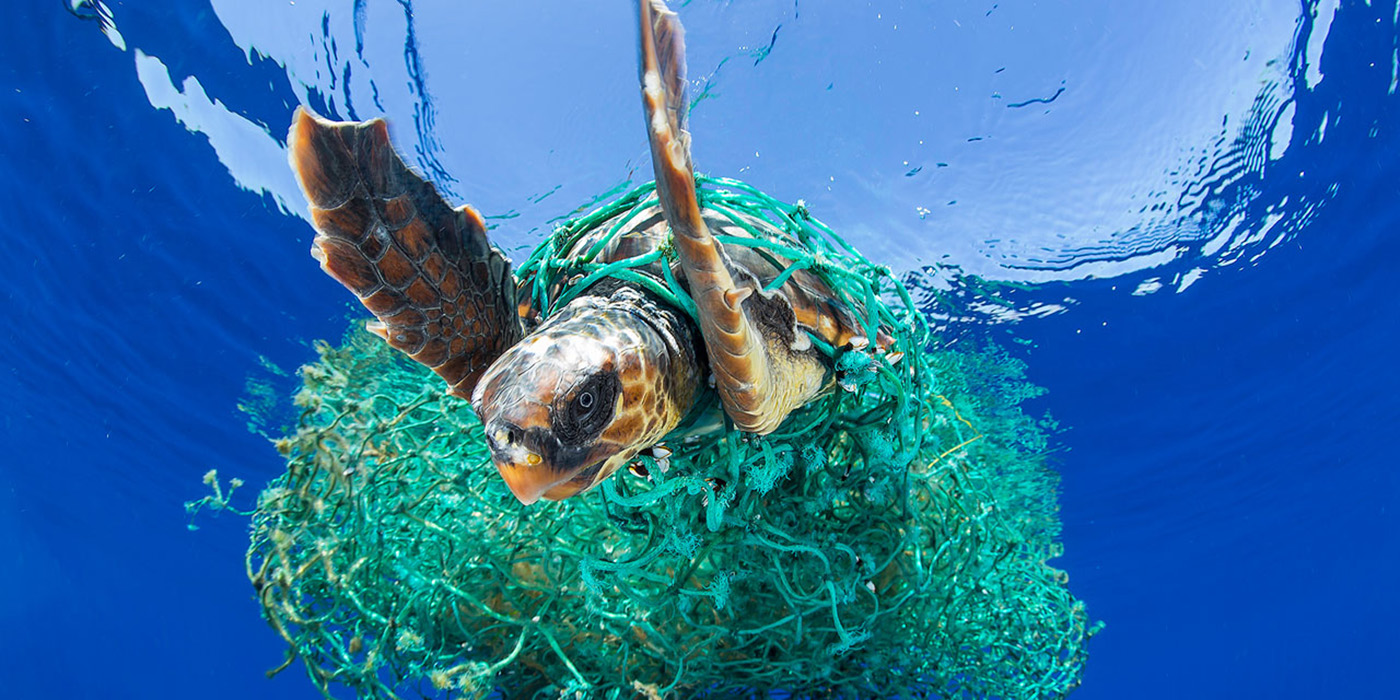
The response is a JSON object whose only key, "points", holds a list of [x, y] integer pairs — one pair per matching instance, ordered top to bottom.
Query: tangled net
{"points": [[890, 540]]}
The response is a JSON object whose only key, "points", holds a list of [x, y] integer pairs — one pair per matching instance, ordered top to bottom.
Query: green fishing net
{"points": [[890, 540]]}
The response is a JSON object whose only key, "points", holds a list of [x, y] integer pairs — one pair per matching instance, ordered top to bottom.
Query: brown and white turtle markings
{"points": [[614, 370]]}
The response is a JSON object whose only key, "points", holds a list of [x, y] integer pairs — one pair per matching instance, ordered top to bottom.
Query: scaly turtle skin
{"points": [[616, 369]]}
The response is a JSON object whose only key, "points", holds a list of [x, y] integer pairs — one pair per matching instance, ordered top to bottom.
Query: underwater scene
{"points": [[701, 348]]}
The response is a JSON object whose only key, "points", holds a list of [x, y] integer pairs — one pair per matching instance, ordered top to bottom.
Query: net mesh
{"points": [[890, 540]]}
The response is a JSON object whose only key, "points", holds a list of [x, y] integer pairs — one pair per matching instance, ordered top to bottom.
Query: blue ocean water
{"points": [[1180, 217]]}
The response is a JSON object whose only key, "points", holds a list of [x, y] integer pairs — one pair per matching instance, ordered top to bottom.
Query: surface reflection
{"points": [[1017, 144]]}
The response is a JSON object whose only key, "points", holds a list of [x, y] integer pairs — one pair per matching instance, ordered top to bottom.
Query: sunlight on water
{"points": [[96, 11], [1322, 14], [325, 44], [963, 93], [244, 147]]}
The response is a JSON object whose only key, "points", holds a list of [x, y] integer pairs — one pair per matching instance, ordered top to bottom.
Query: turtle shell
{"points": [[629, 240]]}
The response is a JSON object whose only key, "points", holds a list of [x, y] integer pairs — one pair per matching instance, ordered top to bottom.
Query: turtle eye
{"points": [[583, 406], [589, 411]]}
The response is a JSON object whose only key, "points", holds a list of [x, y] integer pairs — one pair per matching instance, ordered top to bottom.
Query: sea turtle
{"points": [[565, 404]]}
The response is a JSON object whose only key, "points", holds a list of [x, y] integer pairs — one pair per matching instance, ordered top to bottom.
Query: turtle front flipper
{"points": [[441, 292], [763, 368]]}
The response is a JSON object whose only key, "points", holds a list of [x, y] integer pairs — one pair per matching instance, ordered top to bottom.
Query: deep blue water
{"points": [[1191, 211]]}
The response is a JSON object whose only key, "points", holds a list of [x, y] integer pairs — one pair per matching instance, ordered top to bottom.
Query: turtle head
{"points": [[574, 401]]}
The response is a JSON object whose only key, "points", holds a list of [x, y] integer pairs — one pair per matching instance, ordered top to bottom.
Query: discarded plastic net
{"points": [[890, 540]]}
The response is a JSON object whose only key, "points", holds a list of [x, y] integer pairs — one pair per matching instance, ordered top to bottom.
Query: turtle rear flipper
{"points": [[442, 293], [751, 335]]}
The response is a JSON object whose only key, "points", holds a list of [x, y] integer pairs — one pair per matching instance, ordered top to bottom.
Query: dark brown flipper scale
{"points": [[441, 292], [750, 336]]}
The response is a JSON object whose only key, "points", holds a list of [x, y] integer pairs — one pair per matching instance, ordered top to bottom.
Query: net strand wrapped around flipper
{"points": [[890, 540]]}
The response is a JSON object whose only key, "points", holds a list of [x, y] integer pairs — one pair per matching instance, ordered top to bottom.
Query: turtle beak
{"points": [[523, 469], [524, 482], [531, 484]]}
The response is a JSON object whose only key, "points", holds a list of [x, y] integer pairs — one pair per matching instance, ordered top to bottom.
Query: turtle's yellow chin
{"points": [[531, 482], [528, 483], [562, 491]]}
